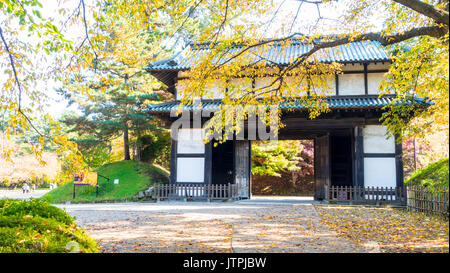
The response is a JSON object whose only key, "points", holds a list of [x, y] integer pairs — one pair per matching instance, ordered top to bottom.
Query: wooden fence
{"points": [[206, 192], [376, 195], [429, 201]]}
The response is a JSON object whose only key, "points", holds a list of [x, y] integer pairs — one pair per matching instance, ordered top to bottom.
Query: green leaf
{"points": [[38, 14]]}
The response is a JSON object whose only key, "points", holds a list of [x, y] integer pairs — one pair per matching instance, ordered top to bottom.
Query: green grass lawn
{"points": [[435, 174], [133, 177]]}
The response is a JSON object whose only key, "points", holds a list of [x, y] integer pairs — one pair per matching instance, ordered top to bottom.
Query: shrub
{"points": [[35, 207], [36, 226], [37, 234]]}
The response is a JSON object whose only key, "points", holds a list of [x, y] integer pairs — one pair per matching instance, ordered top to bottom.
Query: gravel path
{"points": [[244, 226]]}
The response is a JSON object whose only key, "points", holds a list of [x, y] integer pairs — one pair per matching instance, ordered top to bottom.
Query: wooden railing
{"points": [[205, 192], [376, 195], [429, 201]]}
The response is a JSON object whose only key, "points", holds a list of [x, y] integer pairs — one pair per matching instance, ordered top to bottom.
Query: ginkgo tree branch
{"points": [[81, 8], [437, 14], [224, 20], [86, 28], [433, 31], [330, 42], [17, 81]]}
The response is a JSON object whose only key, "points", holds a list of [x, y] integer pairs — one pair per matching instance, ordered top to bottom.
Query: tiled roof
{"points": [[368, 51], [355, 102]]}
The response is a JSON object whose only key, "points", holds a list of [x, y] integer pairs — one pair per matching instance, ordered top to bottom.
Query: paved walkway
{"points": [[17, 194], [274, 225]]}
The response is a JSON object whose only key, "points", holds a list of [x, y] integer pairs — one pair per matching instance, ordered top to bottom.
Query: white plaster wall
{"points": [[183, 74], [263, 82], [373, 82], [242, 84], [351, 84], [180, 86], [294, 87], [329, 87], [215, 89], [374, 140], [190, 141], [190, 169], [379, 172]]}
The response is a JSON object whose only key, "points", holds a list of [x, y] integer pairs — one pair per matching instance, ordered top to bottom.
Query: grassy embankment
{"points": [[435, 174], [133, 177]]}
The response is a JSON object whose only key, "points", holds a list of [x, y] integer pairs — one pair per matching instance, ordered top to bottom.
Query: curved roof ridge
{"points": [[367, 51]]}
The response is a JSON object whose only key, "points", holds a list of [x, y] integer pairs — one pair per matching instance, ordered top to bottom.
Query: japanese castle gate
{"points": [[350, 144]]}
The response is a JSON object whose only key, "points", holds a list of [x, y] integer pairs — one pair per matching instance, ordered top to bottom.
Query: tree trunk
{"points": [[126, 144], [294, 177]]}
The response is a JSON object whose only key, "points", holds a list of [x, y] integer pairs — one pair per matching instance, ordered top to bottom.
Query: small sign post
{"points": [[90, 179]]}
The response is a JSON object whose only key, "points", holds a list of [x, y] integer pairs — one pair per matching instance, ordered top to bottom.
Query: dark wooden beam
{"points": [[336, 81], [366, 82], [294, 123], [191, 155], [382, 155], [359, 157], [173, 162], [208, 163], [399, 163]]}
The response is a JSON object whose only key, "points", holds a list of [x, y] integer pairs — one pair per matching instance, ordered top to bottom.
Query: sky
{"points": [[288, 10]]}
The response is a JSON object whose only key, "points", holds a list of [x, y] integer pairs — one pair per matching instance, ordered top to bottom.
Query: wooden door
{"points": [[321, 166]]}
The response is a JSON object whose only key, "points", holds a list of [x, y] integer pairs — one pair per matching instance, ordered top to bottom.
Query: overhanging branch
{"points": [[438, 15], [16, 78]]}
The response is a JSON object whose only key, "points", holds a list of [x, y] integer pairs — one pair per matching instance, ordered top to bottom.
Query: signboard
{"points": [[81, 179], [88, 179], [116, 181]]}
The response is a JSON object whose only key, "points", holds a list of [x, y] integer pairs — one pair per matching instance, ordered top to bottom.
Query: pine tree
{"points": [[112, 98]]}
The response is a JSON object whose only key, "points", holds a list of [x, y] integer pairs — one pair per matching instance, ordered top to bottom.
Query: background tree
{"points": [[36, 48], [115, 92], [108, 115], [272, 157], [283, 167]]}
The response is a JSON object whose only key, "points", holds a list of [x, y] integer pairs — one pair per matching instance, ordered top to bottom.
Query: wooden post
{"points": [[359, 157], [321, 165], [242, 168]]}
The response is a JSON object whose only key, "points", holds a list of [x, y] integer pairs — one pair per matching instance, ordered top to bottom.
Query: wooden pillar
{"points": [[173, 162], [399, 162], [208, 163], [321, 166], [242, 168], [250, 169], [358, 171]]}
